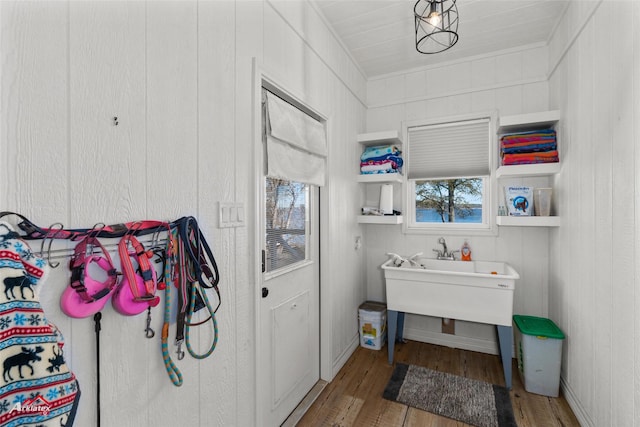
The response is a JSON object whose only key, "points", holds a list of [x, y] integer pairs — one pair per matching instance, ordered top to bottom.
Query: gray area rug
{"points": [[471, 401]]}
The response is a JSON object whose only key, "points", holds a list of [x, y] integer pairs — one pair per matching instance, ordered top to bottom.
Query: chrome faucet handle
{"points": [[439, 252], [453, 254]]}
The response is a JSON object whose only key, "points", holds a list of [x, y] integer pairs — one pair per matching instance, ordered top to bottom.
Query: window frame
{"points": [[490, 192]]}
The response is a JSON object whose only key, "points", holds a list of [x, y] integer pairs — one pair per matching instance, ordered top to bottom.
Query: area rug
{"points": [[471, 401]]}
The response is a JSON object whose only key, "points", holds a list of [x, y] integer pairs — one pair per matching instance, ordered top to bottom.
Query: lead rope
{"points": [[200, 255], [179, 261], [195, 286], [97, 318], [172, 370]]}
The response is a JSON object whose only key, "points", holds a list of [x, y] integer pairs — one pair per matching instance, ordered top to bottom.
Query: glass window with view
{"points": [[449, 174], [452, 200], [286, 223]]}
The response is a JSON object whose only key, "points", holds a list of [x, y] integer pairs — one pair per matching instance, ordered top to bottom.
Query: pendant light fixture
{"points": [[436, 25]]}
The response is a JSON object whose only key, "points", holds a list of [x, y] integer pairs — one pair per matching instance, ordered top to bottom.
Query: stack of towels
{"points": [[522, 148], [381, 159]]}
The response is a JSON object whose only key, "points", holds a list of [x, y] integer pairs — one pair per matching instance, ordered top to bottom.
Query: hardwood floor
{"points": [[354, 397]]}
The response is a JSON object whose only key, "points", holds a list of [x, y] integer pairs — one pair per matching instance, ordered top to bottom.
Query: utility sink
{"points": [[475, 291]]}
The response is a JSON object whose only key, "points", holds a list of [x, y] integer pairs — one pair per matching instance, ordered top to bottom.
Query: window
{"points": [[449, 175], [451, 200], [286, 223]]}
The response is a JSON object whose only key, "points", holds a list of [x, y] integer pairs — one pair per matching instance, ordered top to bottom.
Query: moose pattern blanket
{"points": [[37, 388]]}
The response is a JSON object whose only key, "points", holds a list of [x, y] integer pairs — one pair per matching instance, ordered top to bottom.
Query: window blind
{"points": [[296, 143], [449, 150]]}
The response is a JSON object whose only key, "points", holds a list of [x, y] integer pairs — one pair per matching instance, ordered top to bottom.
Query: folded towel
{"points": [[543, 132], [529, 147], [379, 151], [529, 158], [395, 160], [382, 166], [379, 172]]}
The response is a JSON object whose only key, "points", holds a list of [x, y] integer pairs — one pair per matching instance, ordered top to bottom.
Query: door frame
{"points": [[262, 79]]}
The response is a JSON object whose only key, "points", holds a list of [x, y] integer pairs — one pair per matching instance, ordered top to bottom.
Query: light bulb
{"points": [[434, 18]]}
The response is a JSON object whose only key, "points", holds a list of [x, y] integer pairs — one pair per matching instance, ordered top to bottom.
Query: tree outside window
{"points": [[447, 201]]}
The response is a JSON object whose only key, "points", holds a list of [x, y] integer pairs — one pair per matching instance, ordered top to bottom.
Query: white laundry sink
{"points": [[476, 291]]}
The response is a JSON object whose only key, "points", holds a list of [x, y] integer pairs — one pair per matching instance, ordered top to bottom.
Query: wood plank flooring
{"points": [[354, 397]]}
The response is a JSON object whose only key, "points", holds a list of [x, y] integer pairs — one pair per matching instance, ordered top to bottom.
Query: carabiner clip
{"points": [[149, 333], [179, 351]]}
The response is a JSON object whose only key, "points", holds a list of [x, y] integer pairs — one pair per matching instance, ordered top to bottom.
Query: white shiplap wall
{"points": [[178, 75], [509, 82], [594, 269]]}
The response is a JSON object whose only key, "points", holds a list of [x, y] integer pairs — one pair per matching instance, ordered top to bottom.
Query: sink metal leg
{"points": [[392, 320], [395, 321], [505, 338]]}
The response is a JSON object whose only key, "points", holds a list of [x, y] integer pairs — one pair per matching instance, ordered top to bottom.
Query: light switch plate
{"points": [[230, 214]]}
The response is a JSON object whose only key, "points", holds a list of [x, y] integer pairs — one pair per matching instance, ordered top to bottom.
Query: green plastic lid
{"points": [[537, 326]]}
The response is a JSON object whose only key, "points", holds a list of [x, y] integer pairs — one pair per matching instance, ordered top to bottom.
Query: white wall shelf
{"points": [[528, 122], [388, 137], [380, 138], [538, 169], [380, 178], [377, 219], [528, 221]]}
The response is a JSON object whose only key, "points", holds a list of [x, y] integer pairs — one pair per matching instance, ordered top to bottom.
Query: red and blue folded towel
{"points": [[538, 146]]}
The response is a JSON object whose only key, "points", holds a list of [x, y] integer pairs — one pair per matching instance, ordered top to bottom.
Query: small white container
{"points": [[542, 201], [373, 324], [539, 354]]}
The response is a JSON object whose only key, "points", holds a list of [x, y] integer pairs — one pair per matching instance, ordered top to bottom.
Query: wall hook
{"points": [[115, 120]]}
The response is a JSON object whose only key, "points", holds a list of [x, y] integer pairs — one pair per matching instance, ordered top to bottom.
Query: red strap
{"points": [[145, 269]]}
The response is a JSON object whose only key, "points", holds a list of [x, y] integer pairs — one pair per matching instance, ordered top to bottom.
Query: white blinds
{"points": [[296, 143], [449, 150]]}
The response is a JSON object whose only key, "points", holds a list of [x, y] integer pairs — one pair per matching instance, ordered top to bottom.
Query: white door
{"points": [[289, 310]]}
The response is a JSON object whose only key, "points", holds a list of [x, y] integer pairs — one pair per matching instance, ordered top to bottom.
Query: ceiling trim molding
{"points": [[337, 38], [572, 38], [320, 57], [460, 61], [459, 92]]}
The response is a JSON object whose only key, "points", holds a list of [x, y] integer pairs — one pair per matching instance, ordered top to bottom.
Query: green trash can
{"points": [[539, 353]]}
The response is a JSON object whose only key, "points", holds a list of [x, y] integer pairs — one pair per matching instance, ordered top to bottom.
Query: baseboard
{"points": [[454, 341], [344, 357], [575, 405], [302, 408]]}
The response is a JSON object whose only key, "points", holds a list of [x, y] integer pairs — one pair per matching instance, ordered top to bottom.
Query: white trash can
{"points": [[539, 353]]}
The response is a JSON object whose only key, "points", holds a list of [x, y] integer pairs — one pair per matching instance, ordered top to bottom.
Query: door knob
{"points": [[265, 292]]}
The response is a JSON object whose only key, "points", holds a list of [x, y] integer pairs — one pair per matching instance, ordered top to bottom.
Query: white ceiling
{"points": [[380, 33]]}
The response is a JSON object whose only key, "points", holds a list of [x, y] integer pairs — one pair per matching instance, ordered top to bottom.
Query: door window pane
{"points": [[286, 223]]}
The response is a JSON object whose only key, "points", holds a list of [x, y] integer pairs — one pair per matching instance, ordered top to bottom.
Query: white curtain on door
{"points": [[296, 143]]}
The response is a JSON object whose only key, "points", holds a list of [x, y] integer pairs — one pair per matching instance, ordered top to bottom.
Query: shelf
{"points": [[528, 122], [380, 138], [538, 169], [380, 178], [375, 219], [528, 221]]}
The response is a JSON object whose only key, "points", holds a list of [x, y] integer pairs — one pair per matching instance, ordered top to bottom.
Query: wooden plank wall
{"points": [[178, 75], [509, 82], [594, 269]]}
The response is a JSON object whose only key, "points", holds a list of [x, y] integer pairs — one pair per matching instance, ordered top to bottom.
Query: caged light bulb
{"points": [[434, 18]]}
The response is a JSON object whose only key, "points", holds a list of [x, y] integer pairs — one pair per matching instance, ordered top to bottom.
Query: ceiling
{"points": [[380, 33]]}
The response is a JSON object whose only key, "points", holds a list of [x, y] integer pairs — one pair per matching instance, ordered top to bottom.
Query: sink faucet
{"points": [[444, 253]]}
